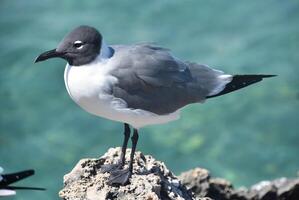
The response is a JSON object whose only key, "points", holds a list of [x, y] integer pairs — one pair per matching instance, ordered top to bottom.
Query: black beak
{"points": [[48, 54]]}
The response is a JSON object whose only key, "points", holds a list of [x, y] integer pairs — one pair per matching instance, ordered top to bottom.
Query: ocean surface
{"points": [[245, 137]]}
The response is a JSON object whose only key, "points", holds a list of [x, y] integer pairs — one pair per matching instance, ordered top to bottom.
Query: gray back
{"points": [[150, 78]]}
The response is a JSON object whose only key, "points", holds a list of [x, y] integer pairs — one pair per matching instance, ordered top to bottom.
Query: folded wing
{"points": [[150, 78]]}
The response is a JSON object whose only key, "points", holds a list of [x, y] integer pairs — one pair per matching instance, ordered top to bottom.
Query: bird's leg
{"points": [[125, 144], [134, 144], [121, 162], [121, 177]]}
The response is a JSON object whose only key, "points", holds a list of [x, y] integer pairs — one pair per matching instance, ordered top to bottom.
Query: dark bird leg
{"points": [[119, 165], [121, 177]]}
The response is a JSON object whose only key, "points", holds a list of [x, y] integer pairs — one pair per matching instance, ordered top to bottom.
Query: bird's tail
{"points": [[240, 81], [7, 179]]}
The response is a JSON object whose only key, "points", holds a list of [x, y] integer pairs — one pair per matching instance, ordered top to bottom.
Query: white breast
{"points": [[90, 87]]}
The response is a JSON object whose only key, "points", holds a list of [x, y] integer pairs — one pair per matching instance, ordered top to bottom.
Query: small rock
{"points": [[197, 180], [287, 188], [219, 189], [265, 190]]}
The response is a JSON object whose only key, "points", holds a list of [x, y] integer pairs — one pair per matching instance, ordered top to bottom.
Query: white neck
{"points": [[105, 51]]}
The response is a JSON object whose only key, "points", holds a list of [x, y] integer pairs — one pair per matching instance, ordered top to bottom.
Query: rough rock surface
{"points": [[151, 180], [200, 182]]}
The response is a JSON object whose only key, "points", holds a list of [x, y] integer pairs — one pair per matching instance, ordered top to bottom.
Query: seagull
{"points": [[137, 85], [7, 179]]}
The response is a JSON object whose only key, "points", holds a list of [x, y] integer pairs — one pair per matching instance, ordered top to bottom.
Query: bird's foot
{"points": [[110, 168], [120, 177]]}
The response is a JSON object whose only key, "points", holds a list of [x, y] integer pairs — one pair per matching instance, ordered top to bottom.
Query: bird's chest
{"points": [[89, 87]]}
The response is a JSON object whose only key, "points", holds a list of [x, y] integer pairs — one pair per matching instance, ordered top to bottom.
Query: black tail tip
{"points": [[267, 76], [241, 81]]}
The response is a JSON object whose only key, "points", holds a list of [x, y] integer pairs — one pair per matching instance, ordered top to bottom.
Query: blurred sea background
{"points": [[245, 137]]}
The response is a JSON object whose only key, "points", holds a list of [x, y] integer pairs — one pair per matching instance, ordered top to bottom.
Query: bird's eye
{"points": [[78, 44]]}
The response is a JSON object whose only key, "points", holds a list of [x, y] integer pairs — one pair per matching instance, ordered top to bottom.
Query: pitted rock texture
{"points": [[151, 180]]}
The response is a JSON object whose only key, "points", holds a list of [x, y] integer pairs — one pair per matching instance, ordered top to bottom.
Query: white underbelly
{"points": [[89, 88]]}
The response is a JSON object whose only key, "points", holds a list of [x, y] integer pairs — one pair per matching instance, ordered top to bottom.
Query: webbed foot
{"points": [[110, 168], [119, 177]]}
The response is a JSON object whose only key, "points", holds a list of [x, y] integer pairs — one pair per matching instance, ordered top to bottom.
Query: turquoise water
{"points": [[245, 137]]}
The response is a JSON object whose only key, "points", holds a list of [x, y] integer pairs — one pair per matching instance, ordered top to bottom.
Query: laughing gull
{"points": [[137, 85], [7, 179]]}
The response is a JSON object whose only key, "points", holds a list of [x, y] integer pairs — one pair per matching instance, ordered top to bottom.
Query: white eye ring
{"points": [[78, 44]]}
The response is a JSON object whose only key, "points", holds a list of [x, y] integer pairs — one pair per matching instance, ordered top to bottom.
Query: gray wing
{"points": [[150, 78]]}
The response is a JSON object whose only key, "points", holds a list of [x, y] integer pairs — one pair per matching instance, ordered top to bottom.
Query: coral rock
{"points": [[151, 180]]}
